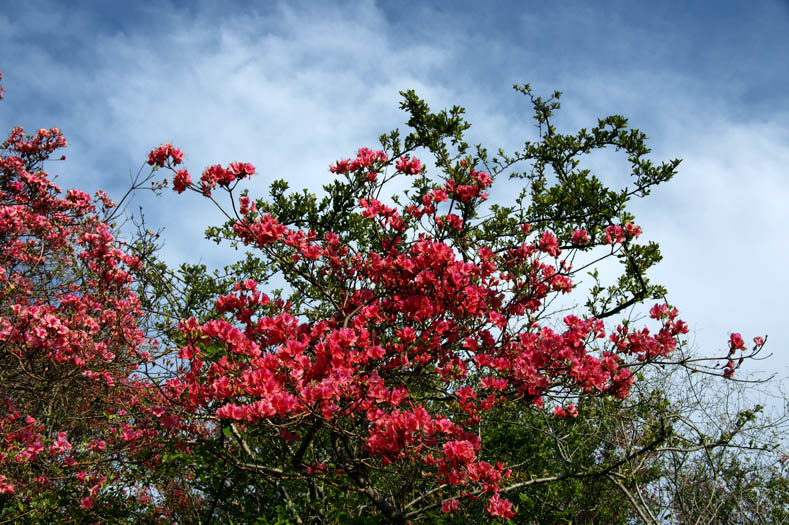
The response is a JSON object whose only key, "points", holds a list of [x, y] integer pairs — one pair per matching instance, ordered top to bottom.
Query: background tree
{"points": [[78, 424]]}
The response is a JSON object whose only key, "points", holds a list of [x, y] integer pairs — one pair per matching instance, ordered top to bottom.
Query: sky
{"points": [[293, 86]]}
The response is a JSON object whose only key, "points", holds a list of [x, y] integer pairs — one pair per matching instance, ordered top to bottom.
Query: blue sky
{"points": [[293, 86]]}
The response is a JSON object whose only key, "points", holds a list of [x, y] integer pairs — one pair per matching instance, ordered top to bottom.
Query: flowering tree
{"points": [[410, 331], [412, 367], [75, 420]]}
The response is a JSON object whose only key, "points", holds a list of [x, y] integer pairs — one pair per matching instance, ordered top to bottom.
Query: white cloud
{"points": [[722, 223]]}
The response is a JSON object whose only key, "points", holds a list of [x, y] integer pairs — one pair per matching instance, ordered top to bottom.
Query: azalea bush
{"points": [[413, 326], [374, 354], [76, 417]]}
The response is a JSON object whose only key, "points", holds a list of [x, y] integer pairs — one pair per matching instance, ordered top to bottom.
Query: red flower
{"points": [[164, 153], [181, 181], [449, 505], [500, 507]]}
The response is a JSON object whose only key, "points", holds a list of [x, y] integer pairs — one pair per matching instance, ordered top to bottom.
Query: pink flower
{"points": [[160, 156], [408, 166], [241, 170], [214, 175], [483, 180], [181, 181], [440, 196], [247, 206], [453, 220], [264, 230], [633, 230], [617, 234], [614, 235], [580, 237], [549, 244], [659, 311], [736, 342], [230, 411], [60, 446], [459, 452], [5, 487], [449, 505], [500, 507]]}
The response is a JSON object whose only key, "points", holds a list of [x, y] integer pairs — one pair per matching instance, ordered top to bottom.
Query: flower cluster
{"points": [[34, 147], [164, 154], [366, 159], [408, 166], [216, 175], [181, 181], [616, 234], [580, 237]]}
